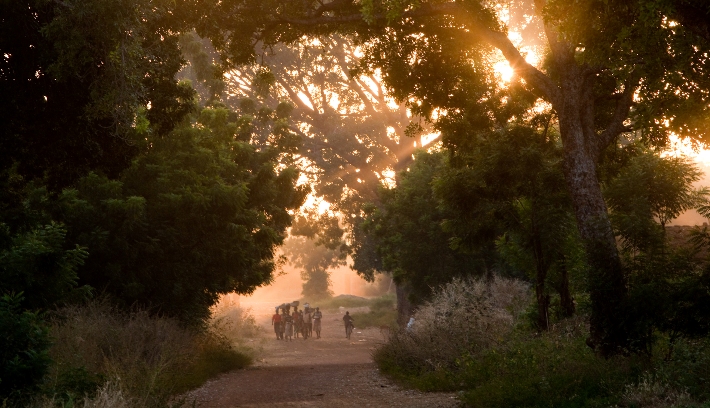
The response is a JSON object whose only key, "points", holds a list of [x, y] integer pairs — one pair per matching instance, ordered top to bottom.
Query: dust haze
{"points": [[287, 287]]}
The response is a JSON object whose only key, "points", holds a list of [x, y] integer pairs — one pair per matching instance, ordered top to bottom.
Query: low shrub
{"points": [[233, 322], [473, 337], [24, 344], [553, 369], [687, 369], [650, 392]]}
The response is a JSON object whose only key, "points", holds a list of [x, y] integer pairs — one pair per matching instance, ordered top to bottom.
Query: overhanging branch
{"points": [[469, 22]]}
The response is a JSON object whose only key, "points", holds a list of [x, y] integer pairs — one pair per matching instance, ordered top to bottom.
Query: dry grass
{"points": [[464, 317], [237, 324], [105, 357], [649, 392]]}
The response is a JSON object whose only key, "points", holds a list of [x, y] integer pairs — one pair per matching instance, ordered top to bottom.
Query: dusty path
{"points": [[328, 372]]}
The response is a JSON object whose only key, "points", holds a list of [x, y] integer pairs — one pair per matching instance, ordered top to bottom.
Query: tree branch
{"points": [[495, 38], [616, 124]]}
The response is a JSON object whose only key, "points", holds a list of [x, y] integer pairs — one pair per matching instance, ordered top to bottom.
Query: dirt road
{"points": [[328, 372]]}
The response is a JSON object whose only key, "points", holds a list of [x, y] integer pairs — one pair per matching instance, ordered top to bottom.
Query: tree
{"points": [[611, 67], [75, 74], [354, 135], [649, 192], [506, 196], [199, 215], [409, 237], [314, 259]]}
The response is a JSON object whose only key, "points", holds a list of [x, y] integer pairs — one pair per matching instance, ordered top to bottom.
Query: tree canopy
{"points": [[610, 68]]}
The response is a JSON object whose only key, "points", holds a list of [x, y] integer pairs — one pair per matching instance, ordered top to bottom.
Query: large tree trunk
{"points": [[542, 267], [607, 287], [566, 300], [404, 306]]}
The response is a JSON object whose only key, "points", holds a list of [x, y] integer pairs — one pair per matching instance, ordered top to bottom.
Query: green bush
{"points": [[24, 344], [688, 368], [556, 369]]}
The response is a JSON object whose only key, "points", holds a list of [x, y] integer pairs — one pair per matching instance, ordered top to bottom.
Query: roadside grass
{"points": [[334, 303], [382, 313], [135, 359]]}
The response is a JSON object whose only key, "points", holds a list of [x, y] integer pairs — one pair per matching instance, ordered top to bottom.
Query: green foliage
{"points": [[76, 75], [649, 192], [506, 200], [200, 214], [409, 237], [36, 263], [668, 296], [24, 345], [689, 367], [553, 370]]}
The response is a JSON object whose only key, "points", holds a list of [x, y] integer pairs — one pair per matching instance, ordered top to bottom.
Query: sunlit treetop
{"points": [[648, 51]]}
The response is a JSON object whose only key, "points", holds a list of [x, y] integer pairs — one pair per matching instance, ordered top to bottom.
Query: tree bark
{"points": [[542, 267], [607, 286], [566, 300], [404, 306]]}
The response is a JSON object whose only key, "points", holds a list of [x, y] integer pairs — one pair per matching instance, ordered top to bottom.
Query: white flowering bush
{"points": [[464, 317]]}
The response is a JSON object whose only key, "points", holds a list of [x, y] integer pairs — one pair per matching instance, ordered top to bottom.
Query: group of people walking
{"points": [[288, 326]]}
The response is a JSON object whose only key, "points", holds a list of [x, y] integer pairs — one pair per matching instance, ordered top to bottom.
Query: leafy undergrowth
{"points": [[471, 338], [105, 357]]}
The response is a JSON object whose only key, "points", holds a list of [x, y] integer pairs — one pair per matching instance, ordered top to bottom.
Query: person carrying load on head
{"points": [[298, 322], [283, 323]]}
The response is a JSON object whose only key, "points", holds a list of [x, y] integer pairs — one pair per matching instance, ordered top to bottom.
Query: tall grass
{"points": [[103, 354]]}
